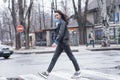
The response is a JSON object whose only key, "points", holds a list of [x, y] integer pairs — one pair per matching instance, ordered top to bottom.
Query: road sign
{"points": [[20, 28]]}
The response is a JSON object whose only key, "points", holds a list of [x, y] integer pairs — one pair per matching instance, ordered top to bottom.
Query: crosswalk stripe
{"points": [[86, 72], [100, 74], [61, 75], [64, 75], [67, 76], [30, 77], [3, 78]]}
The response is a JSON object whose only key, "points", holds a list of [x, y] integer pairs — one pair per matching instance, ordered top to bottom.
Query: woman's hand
{"points": [[54, 45]]}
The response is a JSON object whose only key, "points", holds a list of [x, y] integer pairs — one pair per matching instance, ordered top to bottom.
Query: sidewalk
{"points": [[99, 48], [43, 50]]}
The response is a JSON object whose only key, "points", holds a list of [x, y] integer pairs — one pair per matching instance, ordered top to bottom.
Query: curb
{"points": [[103, 49], [38, 52]]}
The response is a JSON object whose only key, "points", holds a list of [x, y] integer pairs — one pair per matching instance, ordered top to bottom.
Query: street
{"points": [[30, 31], [95, 65]]}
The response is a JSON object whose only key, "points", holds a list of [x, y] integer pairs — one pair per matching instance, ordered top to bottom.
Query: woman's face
{"points": [[58, 16]]}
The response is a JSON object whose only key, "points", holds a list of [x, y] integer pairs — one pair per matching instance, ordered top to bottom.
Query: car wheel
{"points": [[6, 57]]}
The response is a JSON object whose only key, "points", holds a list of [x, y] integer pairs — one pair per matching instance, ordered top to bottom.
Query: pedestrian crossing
{"points": [[61, 75], [85, 75], [100, 75], [66, 76], [30, 77], [2, 78]]}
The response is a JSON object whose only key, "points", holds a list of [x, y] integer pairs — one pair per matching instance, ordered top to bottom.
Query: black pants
{"points": [[91, 42], [58, 51]]}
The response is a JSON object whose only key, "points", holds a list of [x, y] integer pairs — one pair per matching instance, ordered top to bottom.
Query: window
{"points": [[96, 17], [116, 17], [112, 33], [98, 35]]}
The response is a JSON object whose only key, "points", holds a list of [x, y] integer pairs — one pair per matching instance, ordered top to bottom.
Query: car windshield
{"points": [[3, 46], [0, 47]]}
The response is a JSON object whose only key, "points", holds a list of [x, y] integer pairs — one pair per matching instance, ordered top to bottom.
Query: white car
{"points": [[5, 51]]}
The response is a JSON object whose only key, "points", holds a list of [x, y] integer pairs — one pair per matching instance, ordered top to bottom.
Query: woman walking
{"points": [[62, 43]]}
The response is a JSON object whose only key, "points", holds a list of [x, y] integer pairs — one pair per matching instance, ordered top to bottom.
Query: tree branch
{"points": [[9, 6], [30, 6], [75, 9]]}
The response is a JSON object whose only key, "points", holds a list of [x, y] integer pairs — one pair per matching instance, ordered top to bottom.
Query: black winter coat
{"points": [[62, 33]]}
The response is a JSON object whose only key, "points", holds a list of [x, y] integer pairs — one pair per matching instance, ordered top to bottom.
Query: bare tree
{"points": [[55, 5], [65, 8], [39, 9], [52, 9], [43, 14], [24, 15], [105, 15], [14, 18], [81, 19], [84, 21], [8, 23], [35, 25], [5, 27], [27, 27], [1, 32]]}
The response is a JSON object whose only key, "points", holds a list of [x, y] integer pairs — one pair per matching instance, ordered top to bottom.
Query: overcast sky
{"points": [[1, 4], [47, 4]]}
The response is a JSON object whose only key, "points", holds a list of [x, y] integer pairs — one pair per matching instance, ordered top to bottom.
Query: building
{"points": [[93, 17], [74, 32], [46, 37]]}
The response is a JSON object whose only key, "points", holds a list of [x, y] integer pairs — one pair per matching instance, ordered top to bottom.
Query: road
{"points": [[95, 65]]}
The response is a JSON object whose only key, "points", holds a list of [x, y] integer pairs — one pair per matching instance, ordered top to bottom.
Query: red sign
{"points": [[20, 28]]}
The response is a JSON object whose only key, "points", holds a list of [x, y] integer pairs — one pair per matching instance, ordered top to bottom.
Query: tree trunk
{"points": [[55, 4], [52, 8], [65, 8], [39, 9], [43, 15], [21, 16], [14, 17], [81, 20], [84, 22], [105, 22], [28, 27], [1, 32], [10, 34], [27, 40]]}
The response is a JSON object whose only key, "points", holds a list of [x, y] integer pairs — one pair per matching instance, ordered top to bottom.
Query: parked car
{"points": [[41, 43], [5, 51]]}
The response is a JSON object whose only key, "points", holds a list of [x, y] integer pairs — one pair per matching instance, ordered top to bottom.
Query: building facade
{"points": [[114, 22]]}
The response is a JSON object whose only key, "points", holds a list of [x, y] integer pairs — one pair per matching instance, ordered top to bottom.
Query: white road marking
{"points": [[100, 74], [65, 76], [30, 77], [3, 78]]}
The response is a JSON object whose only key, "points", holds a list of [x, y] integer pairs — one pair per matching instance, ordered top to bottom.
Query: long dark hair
{"points": [[63, 16]]}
